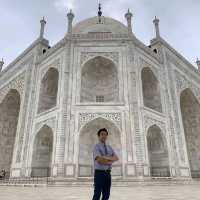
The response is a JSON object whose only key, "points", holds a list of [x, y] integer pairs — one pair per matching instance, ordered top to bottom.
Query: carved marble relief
{"points": [[85, 56], [17, 83], [87, 117], [150, 121], [51, 122]]}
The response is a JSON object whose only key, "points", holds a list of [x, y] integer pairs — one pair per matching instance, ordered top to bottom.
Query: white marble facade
{"points": [[54, 99]]}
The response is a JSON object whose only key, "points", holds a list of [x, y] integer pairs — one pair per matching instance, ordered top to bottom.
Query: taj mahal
{"points": [[54, 99]]}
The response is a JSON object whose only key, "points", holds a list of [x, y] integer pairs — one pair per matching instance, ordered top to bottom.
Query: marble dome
{"points": [[92, 25]]}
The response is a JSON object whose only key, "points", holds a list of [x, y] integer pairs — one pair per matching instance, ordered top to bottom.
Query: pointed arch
{"points": [[99, 81], [48, 90], [151, 90], [190, 110], [9, 115], [88, 138], [42, 152], [157, 152]]}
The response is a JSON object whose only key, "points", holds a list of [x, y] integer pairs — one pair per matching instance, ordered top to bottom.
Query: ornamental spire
{"points": [[70, 17], [128, 17], [42, 25], [157, 29], [198, 63], [1, 64]]}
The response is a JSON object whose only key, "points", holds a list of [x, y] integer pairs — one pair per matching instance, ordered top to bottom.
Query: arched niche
{"points": [[99, 81], [48, 90], [151, 90], [190, 109], [9, 114], [88, 138], [158, 152], [42, 153]]}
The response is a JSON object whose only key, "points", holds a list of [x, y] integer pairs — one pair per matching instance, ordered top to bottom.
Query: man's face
{"points": [[103, 136]]}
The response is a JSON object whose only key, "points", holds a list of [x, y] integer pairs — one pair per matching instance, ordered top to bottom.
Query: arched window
{"points": [[99, 81], [48, 90], [151, 90], [42, 153], [158, 153]]}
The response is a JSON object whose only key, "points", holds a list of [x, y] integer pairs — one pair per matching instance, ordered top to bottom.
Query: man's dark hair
{"points": [[102, 129]]}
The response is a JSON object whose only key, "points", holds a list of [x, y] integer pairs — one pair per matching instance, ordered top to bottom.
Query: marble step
{"points": [[84, 182]]}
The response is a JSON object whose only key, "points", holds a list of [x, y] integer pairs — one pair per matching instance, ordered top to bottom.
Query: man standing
{"points": [[103, 156]]}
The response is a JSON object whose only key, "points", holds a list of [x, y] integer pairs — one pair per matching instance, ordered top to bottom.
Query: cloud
{"points": [[63, 5], [178, 21]]}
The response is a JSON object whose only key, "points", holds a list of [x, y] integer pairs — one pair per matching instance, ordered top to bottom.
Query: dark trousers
{"points": [[102, 184]]}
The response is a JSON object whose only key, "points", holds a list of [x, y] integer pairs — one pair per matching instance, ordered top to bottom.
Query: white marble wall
{"points": [[128, 115]]}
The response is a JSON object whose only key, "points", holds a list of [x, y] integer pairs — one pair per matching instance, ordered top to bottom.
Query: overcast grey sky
{"points": [[179, 21]]}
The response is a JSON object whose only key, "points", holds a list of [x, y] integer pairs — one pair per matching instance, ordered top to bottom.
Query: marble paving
{"points": [[178, 192]]}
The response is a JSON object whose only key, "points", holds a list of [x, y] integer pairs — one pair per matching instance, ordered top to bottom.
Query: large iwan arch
{"points": [[99, 81], [151, 90], [190, 109], [9, 113], [88, 138], [157, 152], [42, 153]]}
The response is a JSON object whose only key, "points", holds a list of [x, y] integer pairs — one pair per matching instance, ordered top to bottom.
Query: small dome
{"points": [[92, 25]]}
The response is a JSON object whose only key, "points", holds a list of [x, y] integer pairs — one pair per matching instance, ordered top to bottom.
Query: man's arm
{"points": [[99, 158], [111, 158], [103, 160]]}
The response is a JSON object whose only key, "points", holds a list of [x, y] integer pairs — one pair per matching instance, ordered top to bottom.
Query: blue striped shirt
{"points": [[99, 150]]}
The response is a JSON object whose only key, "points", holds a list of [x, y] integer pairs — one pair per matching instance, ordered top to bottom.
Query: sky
{"points": [[20, 22]]}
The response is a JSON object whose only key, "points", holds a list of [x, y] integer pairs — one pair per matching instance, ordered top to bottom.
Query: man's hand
{"points": [[109, 162]]}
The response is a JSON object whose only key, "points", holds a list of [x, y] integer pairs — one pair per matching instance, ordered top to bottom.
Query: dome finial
{"points": [[99, 11]]}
